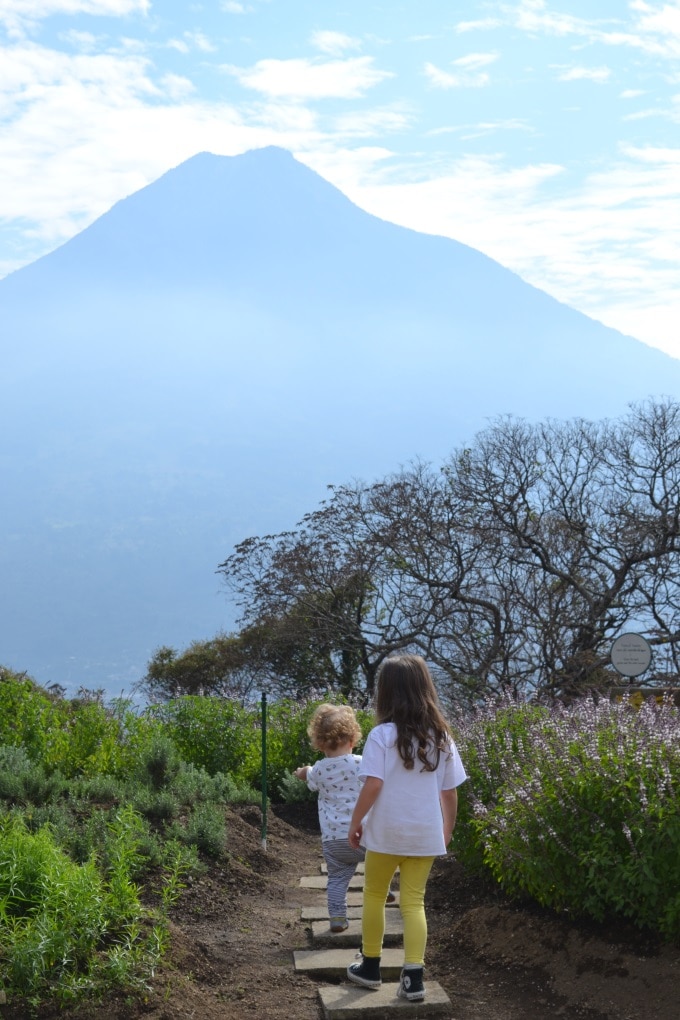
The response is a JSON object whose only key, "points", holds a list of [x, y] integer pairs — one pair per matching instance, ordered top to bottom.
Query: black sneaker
{"points": [[366, 973], [411, 984]]}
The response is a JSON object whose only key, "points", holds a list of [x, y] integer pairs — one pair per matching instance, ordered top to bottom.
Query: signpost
{"points": [[631, 654], [264, 772]]}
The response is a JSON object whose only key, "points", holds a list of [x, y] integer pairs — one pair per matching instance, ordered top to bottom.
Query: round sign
{"points": [[631, 654]]}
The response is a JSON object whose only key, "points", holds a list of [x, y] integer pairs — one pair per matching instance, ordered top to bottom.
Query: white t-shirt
{"points": [[337, 781], [406, 818]]}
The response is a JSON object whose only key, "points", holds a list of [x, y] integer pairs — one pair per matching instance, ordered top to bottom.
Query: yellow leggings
{"points": [[413, 875]]}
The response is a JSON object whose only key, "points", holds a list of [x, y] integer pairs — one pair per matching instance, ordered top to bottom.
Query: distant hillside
{"points": [[198, 364]]}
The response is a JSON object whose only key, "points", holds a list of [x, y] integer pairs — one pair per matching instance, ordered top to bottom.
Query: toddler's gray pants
{"points": [[341, 861]]}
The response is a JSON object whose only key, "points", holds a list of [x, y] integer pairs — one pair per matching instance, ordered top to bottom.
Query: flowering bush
{"points": [[577, 806]]}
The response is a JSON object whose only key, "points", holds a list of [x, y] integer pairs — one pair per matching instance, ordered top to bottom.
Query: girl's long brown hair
{"points": [[407, 697]]}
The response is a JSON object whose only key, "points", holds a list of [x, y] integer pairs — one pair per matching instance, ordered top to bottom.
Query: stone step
{"points": [[358, 871], [321, 882], [319, 911], [394, 932], [332, 964], [349, 1002]]}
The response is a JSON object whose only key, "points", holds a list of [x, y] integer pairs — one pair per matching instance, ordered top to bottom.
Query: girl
{"points": [[334, 730], [405, 813]]}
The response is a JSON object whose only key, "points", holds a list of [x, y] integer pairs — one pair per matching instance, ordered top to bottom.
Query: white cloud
{"points": [[232, 7], [39, 9], [18, 15], [533, 16], [664, 20], [483, 24], [653, 28], [192, 41], [86, 42], [201, 42], [334, 43], [473, 61], [467, 73], [596, 74], [310, 79], [176, 87], [648, 114], [369, 123], [482, 128], [485, 128], [80, 132], [610, 248]]}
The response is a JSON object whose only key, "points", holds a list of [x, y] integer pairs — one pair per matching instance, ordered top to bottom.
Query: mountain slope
{"points": [[200, 362]]}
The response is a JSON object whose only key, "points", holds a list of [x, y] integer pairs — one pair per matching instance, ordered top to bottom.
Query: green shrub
{"points": [[26, 713], [210, 733], [84, 739], [288, 743], [159, 763], [23, 781], [100, 789], [292, 790], [233, 791], [156, 805], [577, 807], [205, 828], [66, 928]]}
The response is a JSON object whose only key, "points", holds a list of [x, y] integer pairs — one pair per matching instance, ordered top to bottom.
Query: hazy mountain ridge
{"points": [[201, 361]]}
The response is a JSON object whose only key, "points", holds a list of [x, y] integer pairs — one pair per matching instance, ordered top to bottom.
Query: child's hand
{"points": [[301, 773], [355, 836]]}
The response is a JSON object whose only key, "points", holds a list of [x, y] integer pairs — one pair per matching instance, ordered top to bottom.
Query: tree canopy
{"points": [[511, 567]]}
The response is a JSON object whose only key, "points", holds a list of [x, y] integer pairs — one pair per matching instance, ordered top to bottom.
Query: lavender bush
{"points": [[577, 807]]}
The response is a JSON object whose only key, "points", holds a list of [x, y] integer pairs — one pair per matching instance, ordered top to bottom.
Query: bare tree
{"points": [[512, 567], [326, 587]]}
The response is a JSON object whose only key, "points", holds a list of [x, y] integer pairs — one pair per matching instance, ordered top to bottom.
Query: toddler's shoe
{"points": [[339, 924]]}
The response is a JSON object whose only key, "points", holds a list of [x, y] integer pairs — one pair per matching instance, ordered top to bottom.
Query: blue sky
{"points": [[543, 132]]}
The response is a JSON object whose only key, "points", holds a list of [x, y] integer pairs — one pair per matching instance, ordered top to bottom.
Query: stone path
{"points": [[330, 955]]}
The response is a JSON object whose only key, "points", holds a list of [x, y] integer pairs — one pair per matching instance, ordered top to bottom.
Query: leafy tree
{"points": [[222, 666]]}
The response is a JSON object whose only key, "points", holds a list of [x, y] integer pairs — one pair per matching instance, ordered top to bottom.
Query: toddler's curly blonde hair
{"points": [[333, 725]]}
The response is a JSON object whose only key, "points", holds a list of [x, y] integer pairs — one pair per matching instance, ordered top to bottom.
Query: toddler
{"points": [[334, 730]]}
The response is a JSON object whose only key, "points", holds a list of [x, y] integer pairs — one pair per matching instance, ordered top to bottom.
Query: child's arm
{"points": [[301, 773], [365, 801], [449, 802]]}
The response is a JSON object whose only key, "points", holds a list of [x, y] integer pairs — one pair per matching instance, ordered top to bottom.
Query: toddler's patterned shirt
{"points": [[337, 782]]}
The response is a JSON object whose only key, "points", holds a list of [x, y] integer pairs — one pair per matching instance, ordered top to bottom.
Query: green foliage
{"points": [[221, 666], [26, 713], [210, 733], [84, 739], [288, 743], [158, 763], [24, 782], [100, 789], [292, 790], [156, 805], [577, 807], [205, 829], [65, 927]]}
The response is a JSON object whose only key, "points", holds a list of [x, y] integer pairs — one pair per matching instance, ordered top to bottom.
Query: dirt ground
{"points": [[235, 929]]}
